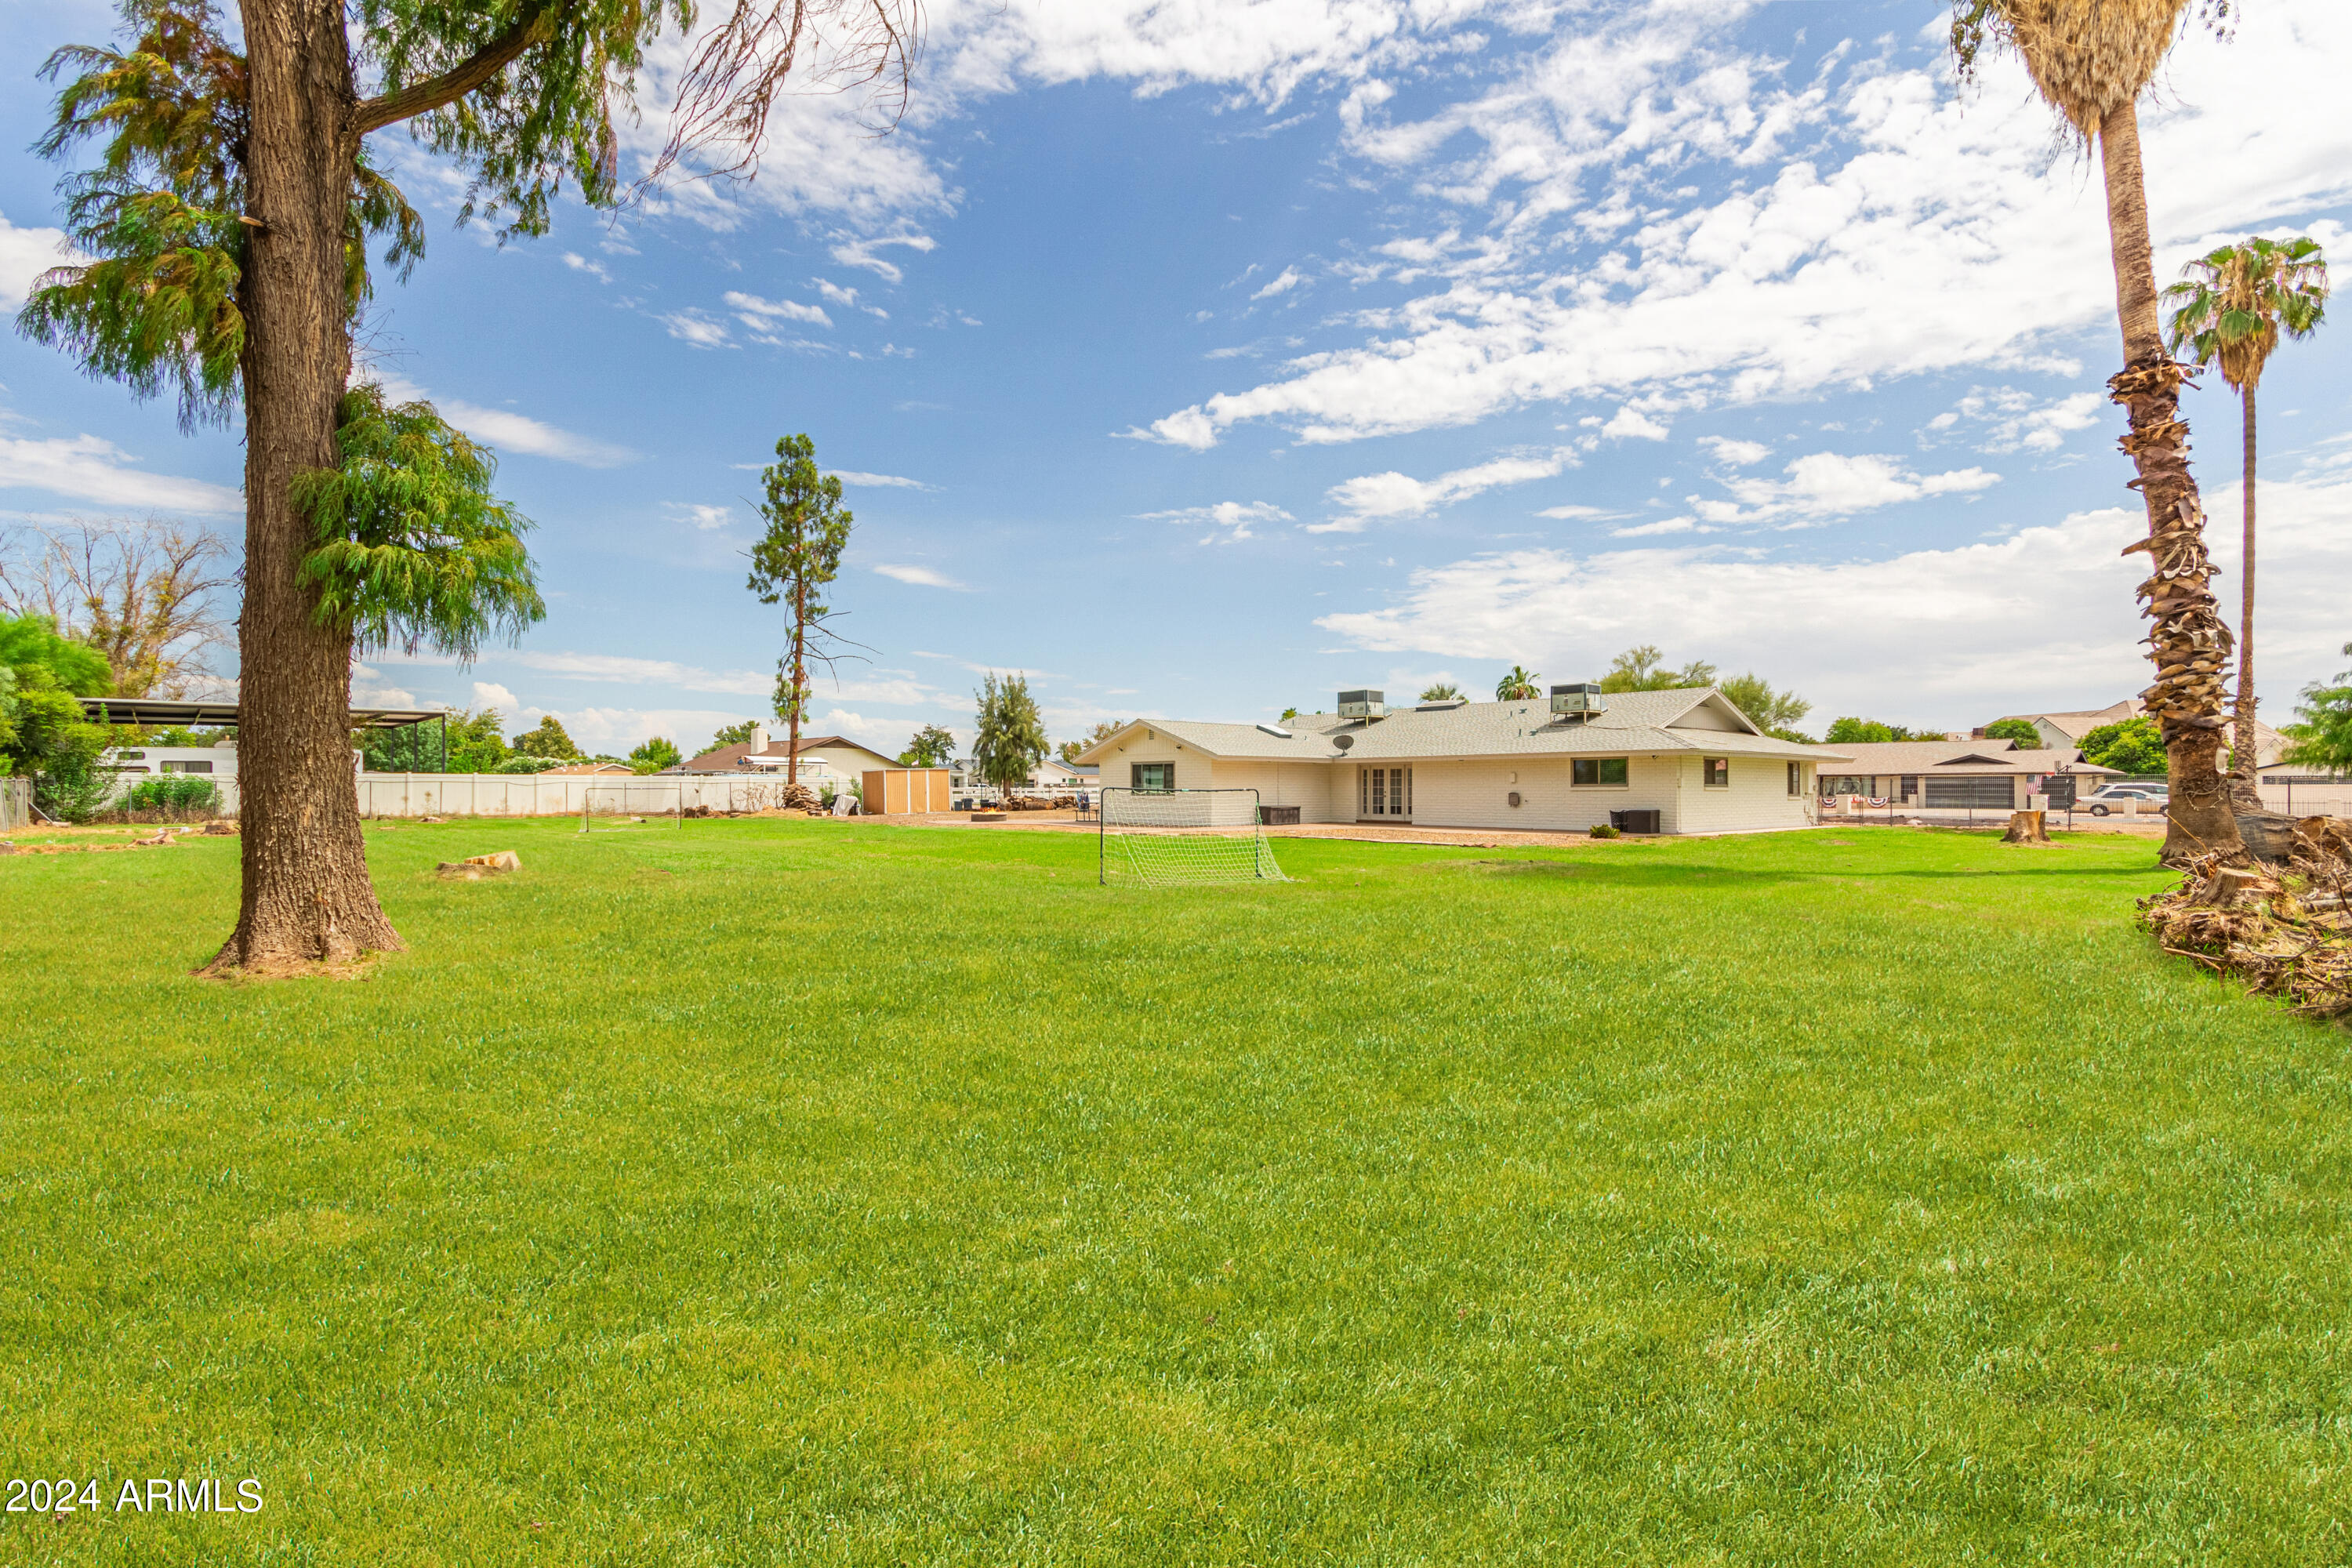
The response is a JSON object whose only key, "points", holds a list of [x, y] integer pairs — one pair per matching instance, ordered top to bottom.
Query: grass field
{"points": [[783, 1193]]}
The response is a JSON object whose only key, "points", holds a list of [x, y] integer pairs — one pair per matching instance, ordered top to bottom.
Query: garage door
{"points": [[1976, 790]]}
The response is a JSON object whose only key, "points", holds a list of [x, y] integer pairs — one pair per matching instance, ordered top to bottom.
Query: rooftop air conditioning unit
{"points": [[1580, 701], [1363, 705]]}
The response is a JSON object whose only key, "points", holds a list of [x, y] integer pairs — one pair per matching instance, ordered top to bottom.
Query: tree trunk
{"points": [[2189, 644], [800, 680], [2245, 793], [305, 897]]}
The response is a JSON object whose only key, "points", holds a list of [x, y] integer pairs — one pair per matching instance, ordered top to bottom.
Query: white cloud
{"points": [[1915, 234], [860, 253], [24, 255], [595, 269], [1282, 285], [847, 299], [762, 315], [696, 328], [2015, 420], [1631, 424], [510, 432], [1741, 453], [91, 468], [885, 481], [1822, 486], [1391, 494], [1577, 513], [702, 518], [1236, 519], [920, 577], [1958, 635], [631, 671], [370, 690], [490, 694], [620, 731]]}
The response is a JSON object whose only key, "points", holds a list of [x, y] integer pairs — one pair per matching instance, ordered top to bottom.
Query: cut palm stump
{"points": [[2027, 828], [2285, 930]]}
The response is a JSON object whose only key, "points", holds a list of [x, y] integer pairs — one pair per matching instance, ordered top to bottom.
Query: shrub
{"points": [[72, 789], [177, 793], [1605, 830]]}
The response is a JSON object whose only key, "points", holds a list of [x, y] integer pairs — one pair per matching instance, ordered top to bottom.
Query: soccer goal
{"points": [[611, 805], [1184, 838]]}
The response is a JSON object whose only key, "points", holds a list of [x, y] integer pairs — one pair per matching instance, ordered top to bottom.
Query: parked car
{"points": [[2115, 797]]}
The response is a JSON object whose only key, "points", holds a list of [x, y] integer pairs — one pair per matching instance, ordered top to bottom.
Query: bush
{"points": [[2134, 746], [73, 789], [180, 794], [1605, 830]]}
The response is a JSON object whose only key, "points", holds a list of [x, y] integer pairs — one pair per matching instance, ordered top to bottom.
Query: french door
{"points": [[1383, 793]]}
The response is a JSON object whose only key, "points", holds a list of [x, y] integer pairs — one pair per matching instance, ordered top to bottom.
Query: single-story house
{"points": [[2060, 730], [823, 759], [1680, 761], [582, 770], [1054, 773], [1951, 775]]}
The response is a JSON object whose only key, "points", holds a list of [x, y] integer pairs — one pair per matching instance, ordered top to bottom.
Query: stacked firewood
{"points": [[2285, 932]]}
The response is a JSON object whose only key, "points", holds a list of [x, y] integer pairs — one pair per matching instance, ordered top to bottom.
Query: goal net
{"points": [[612, 805], [1184, 838]]}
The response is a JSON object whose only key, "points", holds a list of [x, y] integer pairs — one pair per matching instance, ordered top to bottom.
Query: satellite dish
{"points": [[1343, 741]]}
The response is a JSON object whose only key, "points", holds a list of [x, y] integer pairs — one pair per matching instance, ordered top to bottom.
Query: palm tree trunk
{"points": [[2189, 644], [2245, 792], [306, 896]]}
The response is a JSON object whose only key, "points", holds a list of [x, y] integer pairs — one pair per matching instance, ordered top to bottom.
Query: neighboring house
{"points": [[2061, 730], [1689, 756], [823, 759], [580, 770], [1054, 773], [1949, 775]]}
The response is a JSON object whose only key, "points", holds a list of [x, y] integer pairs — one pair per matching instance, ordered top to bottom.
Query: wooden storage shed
{"points": [[899, 791]]}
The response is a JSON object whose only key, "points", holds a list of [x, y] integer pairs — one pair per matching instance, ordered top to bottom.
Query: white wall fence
{"points": [[529, 794]]}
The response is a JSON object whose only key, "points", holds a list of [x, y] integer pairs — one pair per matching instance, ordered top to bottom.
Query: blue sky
{"points": [[1200, 359]]}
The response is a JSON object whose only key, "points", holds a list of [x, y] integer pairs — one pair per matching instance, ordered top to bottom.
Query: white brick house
{"points": [[1689, 756]]}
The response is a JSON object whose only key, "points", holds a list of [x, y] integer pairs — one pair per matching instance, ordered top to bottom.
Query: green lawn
{"points": [[783, 1193]]}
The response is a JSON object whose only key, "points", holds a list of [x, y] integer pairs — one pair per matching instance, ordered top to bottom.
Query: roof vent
{"points": [[1580, 700], [1364, 704], [1446, 706], [1277, 730]]}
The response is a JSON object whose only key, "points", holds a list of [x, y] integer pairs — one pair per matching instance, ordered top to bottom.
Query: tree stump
{"points": [[2027, 828]]}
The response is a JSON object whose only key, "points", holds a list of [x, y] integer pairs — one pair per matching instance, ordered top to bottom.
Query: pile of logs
{"points": [[2286, 931]]}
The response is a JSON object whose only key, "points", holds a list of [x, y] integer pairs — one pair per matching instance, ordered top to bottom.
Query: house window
{"points": [[187, 767], [1597, 770], [1717, 770], [1154, 775], [1796, 778], [1910, 786], [1383, 792]]}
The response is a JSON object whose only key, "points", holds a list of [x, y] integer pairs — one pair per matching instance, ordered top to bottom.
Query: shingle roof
{"points": [[1634, 721], [1875, 757], [730, 758]]}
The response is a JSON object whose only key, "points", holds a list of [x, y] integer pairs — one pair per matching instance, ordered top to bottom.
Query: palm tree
{"points": [[2090, 60], [2233, 304], [1519, 685], [1442, 692]]}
